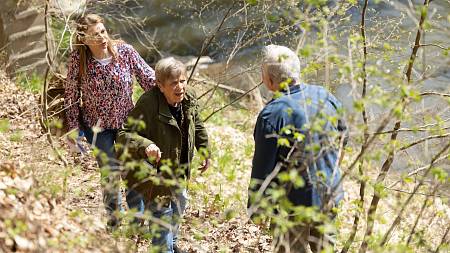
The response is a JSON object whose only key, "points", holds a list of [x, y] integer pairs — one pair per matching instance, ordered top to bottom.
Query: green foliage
{"points": [[252, 2], [32, 83], [137, 91], [4, 125], [16, 136], [440, 175], [15, 227]]}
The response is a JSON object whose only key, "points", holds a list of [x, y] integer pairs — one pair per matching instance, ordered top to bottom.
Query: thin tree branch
{"points": [[433, 45], [205, 46], [428, 93], [232, 102], [45, 126], [420, 129], [424, 139], [388, 162], [416, 171], [362, 188], [416, 188], [422, 209], [443, 239]]}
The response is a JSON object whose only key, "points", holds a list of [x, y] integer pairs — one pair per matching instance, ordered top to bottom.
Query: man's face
{"points": [[266, 79], [173, 89]]}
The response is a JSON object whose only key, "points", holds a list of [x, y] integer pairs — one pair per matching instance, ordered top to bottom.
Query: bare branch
{"points": [[433, 45], [205, 46], [45, 89], [428, 93], [232, 102], [419, 129], [424, 139], [388, 162], [418, 170], [362, 188], [416, 188], [422, 209], [443, 239]]}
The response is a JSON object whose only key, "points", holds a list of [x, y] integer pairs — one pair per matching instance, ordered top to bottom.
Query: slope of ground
{"points": [[45, 206], [48, 207]]}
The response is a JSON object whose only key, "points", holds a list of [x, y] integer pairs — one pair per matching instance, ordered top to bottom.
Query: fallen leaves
{"points": [[33, 212]]}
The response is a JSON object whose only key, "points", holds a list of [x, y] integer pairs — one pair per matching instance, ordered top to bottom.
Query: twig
{"points": [[433, 45], [202, 51], [219, 85], [45, 89], [428, 93], [232, 102], [420, 129], [424, 139], [388, 162], [416, 171], [362, 188], [416, 188], [417, 193], [422, 209], [443, 239]]}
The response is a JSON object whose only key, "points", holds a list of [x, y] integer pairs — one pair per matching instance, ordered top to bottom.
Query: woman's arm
{"points": [[144, 74], [72, 91]]}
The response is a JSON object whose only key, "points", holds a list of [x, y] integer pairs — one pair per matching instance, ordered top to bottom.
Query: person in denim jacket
{"points": [[301, 129]]}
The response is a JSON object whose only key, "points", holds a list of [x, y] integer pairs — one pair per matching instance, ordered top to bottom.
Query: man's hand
{"points": [[153, 152], [204, 166]]}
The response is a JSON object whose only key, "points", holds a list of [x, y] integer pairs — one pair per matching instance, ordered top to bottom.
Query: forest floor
{"points": [[47, 206]]}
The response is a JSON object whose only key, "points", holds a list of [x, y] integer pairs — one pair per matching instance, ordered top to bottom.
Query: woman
{"points": [[98, 95]]}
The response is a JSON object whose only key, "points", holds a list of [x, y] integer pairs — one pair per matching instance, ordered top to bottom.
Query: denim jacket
{"points": [[310, 118]]}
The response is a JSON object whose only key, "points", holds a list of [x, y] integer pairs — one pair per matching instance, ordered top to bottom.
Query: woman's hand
{"points": [[74, 143], [153, 152]]}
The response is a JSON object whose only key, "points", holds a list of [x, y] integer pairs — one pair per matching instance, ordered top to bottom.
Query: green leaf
{"points": [[4, 125], [283, 142], [439, 174], [408, 180]]}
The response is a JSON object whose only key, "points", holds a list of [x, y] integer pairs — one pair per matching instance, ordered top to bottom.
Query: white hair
{"points": [[281, 64], [169, 67]]}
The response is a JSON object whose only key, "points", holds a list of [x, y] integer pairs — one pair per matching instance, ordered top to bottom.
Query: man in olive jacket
{"points": [[159, 139]]}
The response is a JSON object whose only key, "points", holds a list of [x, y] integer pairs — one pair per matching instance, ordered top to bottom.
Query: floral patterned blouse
{"points": [[106, 89]]}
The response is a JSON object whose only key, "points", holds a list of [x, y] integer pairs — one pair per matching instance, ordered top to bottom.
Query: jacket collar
{"points": [[291, 89], [163, 108]]}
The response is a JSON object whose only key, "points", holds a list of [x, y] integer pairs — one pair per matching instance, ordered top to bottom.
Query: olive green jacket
{"points": [[159, 128]]}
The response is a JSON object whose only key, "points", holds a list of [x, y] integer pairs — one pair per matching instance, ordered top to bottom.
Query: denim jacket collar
{"points": [[291, 89]]}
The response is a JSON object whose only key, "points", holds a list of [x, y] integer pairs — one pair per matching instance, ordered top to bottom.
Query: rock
{"points": [[23, 243]]}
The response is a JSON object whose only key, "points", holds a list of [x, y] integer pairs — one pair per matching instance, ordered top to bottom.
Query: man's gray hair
{"points": [[281, 64], [169, 67]]}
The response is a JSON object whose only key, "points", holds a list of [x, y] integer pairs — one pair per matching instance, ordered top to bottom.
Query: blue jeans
{"points": [[109, 167], [170, 213]]}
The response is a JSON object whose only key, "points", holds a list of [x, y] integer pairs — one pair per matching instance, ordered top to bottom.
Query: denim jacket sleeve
{"points": [[265, 156]]}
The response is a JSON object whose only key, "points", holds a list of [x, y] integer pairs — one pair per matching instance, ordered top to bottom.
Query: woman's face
{"points": [[96, 38]]}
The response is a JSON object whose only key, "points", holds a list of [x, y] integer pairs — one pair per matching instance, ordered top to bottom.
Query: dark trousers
{"points": [[109, 167]]}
